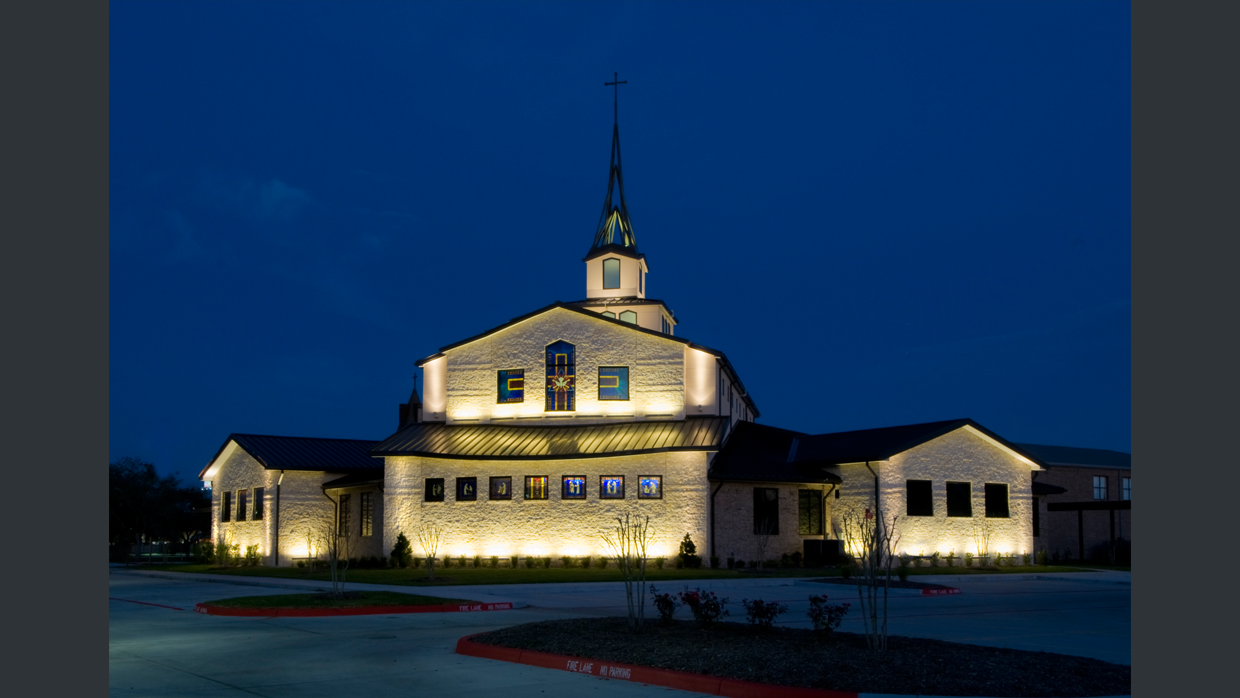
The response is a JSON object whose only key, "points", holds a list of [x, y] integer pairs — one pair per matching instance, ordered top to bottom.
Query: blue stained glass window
{"points": [[561, 377], [613, 383], [511, 386], [574, 487], [611, 487], [651, 487]]}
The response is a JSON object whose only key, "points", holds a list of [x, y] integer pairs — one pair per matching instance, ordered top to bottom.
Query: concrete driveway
{"points": [[155, 650]]}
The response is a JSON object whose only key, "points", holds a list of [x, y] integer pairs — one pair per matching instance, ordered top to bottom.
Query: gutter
{"points": [[713, 550]]}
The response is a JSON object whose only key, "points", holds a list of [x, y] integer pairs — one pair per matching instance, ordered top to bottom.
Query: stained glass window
{"points": [[629, 316], [561, 378], [613, 383], [511, 386], [535, 486], [574, 487], [611, 487], [651, 487], [501, 488], [434, 489], [466, 489]]}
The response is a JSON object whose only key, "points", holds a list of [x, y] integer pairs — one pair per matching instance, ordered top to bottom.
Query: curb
{"points": [[894, 592], [212, 610], [669, 678]]}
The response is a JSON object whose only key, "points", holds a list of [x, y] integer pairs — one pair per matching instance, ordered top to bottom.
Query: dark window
{"points": [[611, 273], [641, 281], [628, 316], [561, 377], [613, 382], [511, 386], [535, 486], [574, 487], [611, 487], [650, 487], [1100, 487], [501, 488], [434, 489], [466, 489], [1126, 493], [920, 498], [242, 499], [959, 499], [996, 501], [258, 503], [226, 506], [765, 511], [809, 512], [344, 514], [368, 514], [1036, 516]]}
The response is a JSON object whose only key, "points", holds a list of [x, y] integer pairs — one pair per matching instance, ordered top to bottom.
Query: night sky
{"points": [[884, 213]]}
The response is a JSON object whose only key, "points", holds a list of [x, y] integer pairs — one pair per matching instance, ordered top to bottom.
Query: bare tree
{"points": [[765, 529], [983, 531], [430, 537], [872, 541], [629, 543], [333, 544]]}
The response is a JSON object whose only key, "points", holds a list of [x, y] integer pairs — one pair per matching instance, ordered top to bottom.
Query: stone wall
{"points": [[551, 527]]}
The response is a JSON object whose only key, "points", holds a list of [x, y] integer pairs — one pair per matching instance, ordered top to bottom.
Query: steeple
{"points": [[613, 257]]}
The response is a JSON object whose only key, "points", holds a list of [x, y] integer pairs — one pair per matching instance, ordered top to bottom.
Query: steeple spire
{"points": [[614, 227]]}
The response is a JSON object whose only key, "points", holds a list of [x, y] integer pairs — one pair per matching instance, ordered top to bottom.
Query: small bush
{"points": [[402, 552], [688, 556], [1042, 557], [934, 558], [951, 558], [796, 559], [968, 559], [1026, 559], [785, 560], [447, 561], [461, 561], [477, 561], [495, 561], [566, 561], [417, 562], [512, 562], [529, 562], [585, 562], [658, 562], [678, 562], [714, 562], [731, 562], [301, 563], [546, 563], [602, 563], [753, 564], [845, 569], [902, 569], [664, 603], [705, 605], [762, 613], [826, 617]]}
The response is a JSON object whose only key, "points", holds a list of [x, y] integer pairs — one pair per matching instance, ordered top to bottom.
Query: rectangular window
{"points": [[611, 273], [561, 377], [613, 382], [511, 386], [535, 486], [573, 487], [611, 487], [650, 487], [1100, 487], [501, 488], [434, 489], [466, 489], [1126, 492], [920, 499], [959, 499], [996, 501], [241, 502], [258, 503], [225, 507], [765, 511], [809, 512], [344, 514], [368, 514], [1036, 516]]}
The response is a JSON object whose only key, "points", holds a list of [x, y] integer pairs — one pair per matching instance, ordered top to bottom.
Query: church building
{"points": [[530, 438]]}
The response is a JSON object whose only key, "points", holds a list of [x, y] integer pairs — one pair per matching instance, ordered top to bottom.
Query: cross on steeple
{"points": [[618, 82]]}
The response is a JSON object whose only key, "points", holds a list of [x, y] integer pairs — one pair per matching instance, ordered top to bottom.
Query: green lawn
{"points": [[504, 575], [367, 598]]}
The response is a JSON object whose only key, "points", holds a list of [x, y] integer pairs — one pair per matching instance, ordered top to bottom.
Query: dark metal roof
{"points": [[615, 230], [723, 359], [546, 442], [883, 443], [302, 453], [759, 453], [1079, 457], [370, 476], [1045, 488]]}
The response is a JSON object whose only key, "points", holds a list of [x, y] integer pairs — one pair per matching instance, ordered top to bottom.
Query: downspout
{"points": [[336, 515], [876, 515], [826, 520], [276, 544], [713, 551]]}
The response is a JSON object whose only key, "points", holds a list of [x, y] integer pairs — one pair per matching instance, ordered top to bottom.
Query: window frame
{"points": [[616, 260], [608, 314], [621, 317], [504, 382], [626, 384], [570, 400], [496, 479], [466, 481], [1101, 485], [585, 488], [428, 489], [1125, 489], [602, 493], [260, 494], [546, 494], [642, 495], [243, 497], [924, 498], [366, 504], [766, 504], [226, 507], [993, 509], [955, 513], [343, 514], [808, 516]]}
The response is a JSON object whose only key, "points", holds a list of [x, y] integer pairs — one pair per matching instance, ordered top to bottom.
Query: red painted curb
{"points": [[939, 592], [213, 610], [683, 680]]}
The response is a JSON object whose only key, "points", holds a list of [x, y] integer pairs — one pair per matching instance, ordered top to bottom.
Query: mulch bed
{"points": [[895, 583], [835, 661]]}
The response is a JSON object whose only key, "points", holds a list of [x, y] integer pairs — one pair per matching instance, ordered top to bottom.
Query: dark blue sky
{"points": [[884, 213]]}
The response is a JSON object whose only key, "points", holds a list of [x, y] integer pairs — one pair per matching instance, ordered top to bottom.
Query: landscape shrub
{"points": [[402, 552], [203, 553], [688, 556], [1042, 557], [951, 558], [796, 559], [968, 559], [785, 560], [447, 561], [461, 561], [477, 561], [495, 561], [566, 561], [417, 562], [512, 562], [529, 562], [585, 562], [602, 562], [658, 562], [714, 562], [731, 562], [301, 563], [546, 563], [770, 563], [753, 564], [845, 569], [902, 569], [664, 603], [706, 607], [762, 613], [826, 617]]}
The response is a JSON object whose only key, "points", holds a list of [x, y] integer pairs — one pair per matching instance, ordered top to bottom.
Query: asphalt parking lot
{"points": [[157, 650]]}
